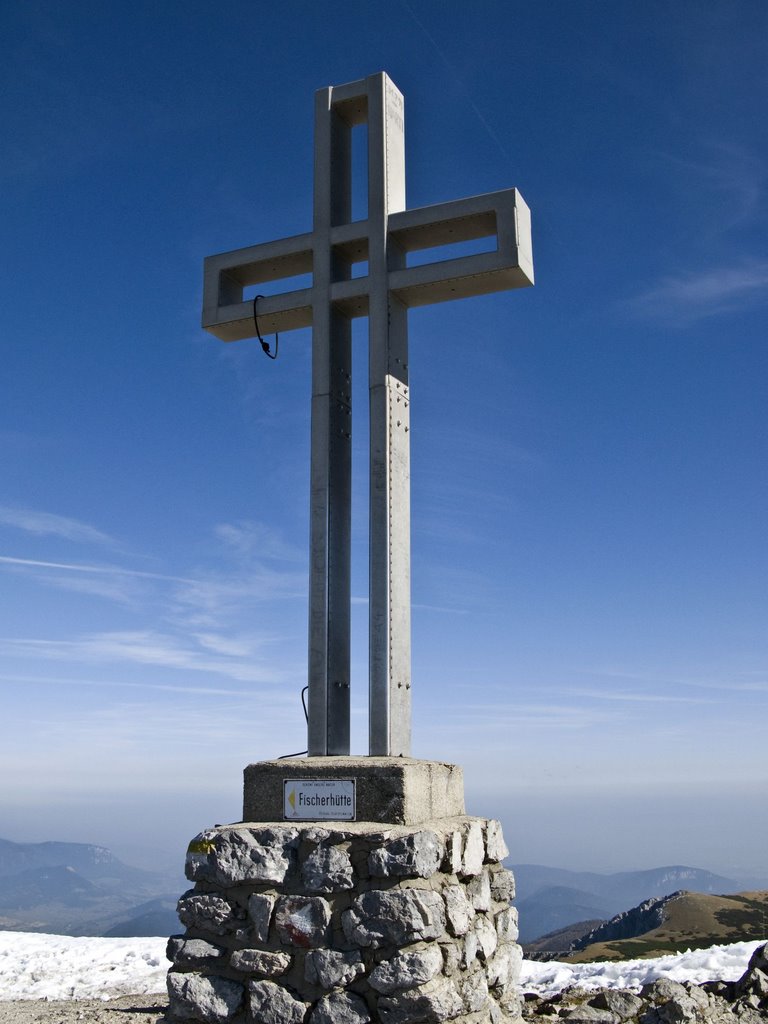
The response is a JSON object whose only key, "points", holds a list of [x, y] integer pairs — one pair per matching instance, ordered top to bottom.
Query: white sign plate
{"points": [[319, 799]]}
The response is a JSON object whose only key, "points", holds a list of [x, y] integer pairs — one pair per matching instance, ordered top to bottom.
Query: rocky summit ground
{"points": [[663, 1002], [125, 1010]]}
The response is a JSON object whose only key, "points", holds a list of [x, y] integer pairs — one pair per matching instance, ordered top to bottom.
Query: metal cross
{"points": [[390, 288]]}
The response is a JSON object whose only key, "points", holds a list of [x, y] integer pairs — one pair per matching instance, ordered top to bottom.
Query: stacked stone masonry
{"points": [[347, 923]]}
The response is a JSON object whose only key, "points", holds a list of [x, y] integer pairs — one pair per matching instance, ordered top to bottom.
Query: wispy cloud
{"points": [[734, 176], [686, 298], [52, 525], [249, 538], [109, 570], [115, 583], [202, 600], [209, 601], [442, 609], [159, 650], [105, 682], [724, 682], [641, 697], [510, 716]]}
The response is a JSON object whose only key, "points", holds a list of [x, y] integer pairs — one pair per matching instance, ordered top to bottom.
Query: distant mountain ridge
{"points": [[92, 862], [41, 885], [82, 889], [551, 899], [646, 917], [682, 920]]}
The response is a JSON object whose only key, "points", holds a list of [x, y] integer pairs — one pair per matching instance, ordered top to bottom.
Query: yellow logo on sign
{"points": [[292, 798]]}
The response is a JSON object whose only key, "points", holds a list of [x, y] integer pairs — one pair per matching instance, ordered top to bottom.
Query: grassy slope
{"points": [[694, 921]]}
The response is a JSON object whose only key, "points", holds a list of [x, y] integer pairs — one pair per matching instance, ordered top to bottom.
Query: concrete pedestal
{"points": [[394, 790], [348, 922]]}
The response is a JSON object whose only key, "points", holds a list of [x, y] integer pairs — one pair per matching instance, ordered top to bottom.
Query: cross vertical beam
{"points": [[331, 451], [389, 503]]}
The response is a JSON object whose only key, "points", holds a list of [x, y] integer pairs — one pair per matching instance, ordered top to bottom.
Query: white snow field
{"points": [[716, 963], [34, 966]]}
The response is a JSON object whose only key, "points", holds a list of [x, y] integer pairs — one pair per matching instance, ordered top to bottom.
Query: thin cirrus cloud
{"points": [[732, 178], [694, 296], [51, 525], [248, 538], [109, 570], [110, 582], [203, 597], [145, 647], [104, 682], [641, 697], [503, 717]]}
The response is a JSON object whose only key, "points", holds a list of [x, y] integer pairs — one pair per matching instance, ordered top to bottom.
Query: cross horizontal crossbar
{"points": [[503, 215]]}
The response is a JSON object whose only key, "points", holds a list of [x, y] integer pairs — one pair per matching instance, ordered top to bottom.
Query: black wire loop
{"points": [[264, 344], [299, 753]]}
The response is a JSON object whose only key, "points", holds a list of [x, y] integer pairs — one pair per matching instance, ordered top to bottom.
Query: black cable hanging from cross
{"points": [[264, 344]]}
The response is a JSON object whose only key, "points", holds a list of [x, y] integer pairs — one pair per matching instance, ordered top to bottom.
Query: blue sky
{"points": [[589, 482]]}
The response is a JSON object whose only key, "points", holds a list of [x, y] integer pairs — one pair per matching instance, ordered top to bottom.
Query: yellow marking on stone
{"points": [[204, 846]]}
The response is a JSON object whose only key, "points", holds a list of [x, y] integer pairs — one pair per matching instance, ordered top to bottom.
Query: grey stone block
{"points": [[394, 790], [495, 847], [453, 848], [473, 853], [235, 855], [417, 855], [327, 869], [502, 884], [479, 890], [260, 907], [459, 911], [208, 913], [396, 917], [302, 920], [506, 925], [487, 940], [480, 941], [192, 952], [452, 957], [260, 961], [503, 967], [329, 968], [407, 970], [662, 990], [474, 992], [211, 999], [437, 1001], [273, 1004], [623, 1004], [340, 1008], [586, 1014]]}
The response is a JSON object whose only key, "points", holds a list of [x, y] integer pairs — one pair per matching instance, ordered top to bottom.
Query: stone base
{"points": [[396, 790], [347, 923]]}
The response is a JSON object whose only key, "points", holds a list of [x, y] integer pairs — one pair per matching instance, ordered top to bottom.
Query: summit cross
{"points": [[328, 252]]}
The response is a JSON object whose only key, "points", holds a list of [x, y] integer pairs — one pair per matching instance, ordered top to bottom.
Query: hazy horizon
{"points": [[551, 837]]}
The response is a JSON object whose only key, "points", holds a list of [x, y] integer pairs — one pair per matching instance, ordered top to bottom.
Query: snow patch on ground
{"points": [[717, 963], [34, 966]]}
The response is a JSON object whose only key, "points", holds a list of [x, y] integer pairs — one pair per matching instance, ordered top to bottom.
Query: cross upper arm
{"points": [[504, 215], [226, 315]]}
